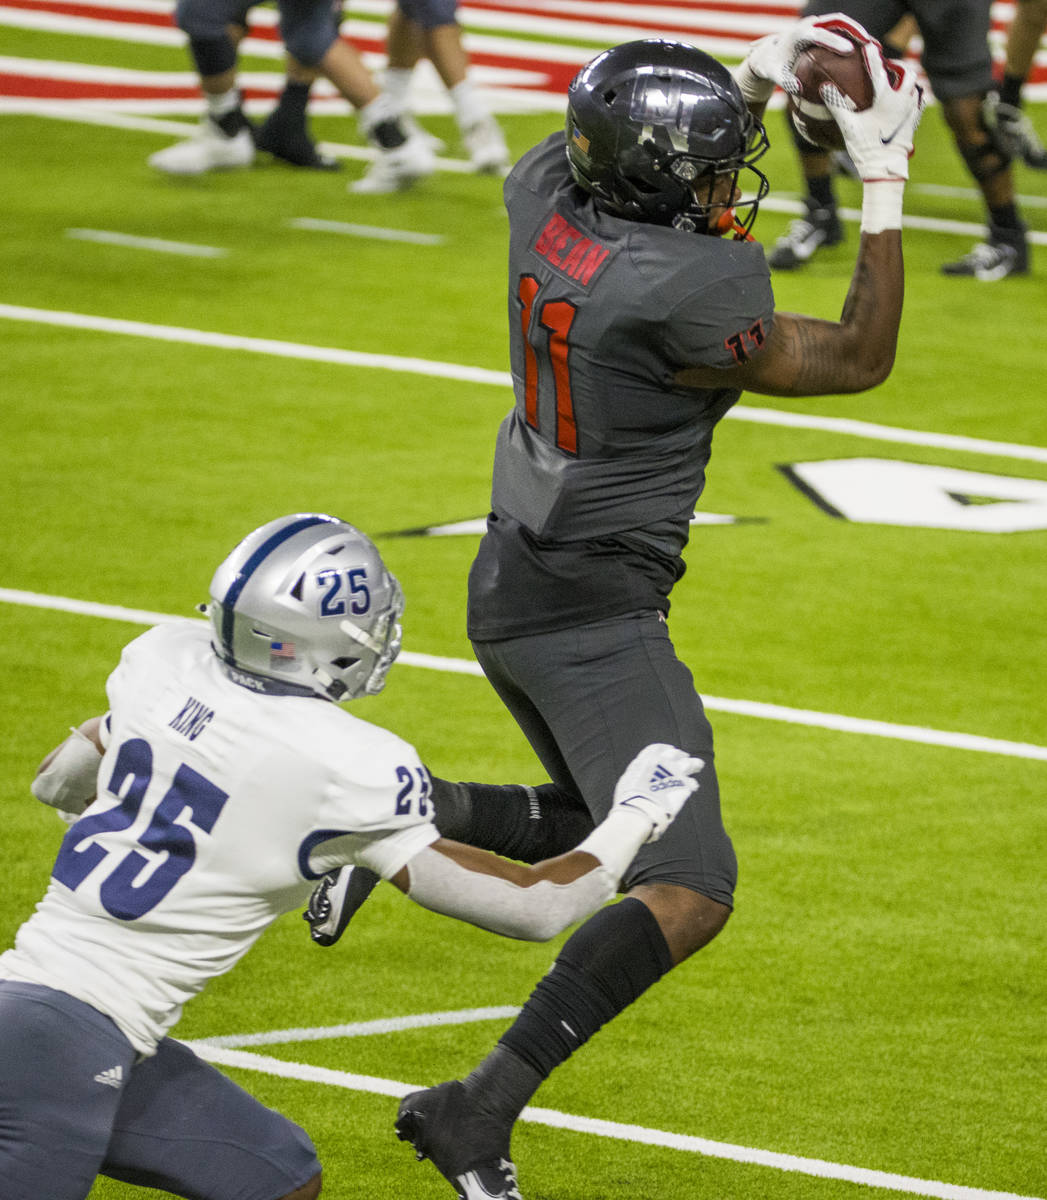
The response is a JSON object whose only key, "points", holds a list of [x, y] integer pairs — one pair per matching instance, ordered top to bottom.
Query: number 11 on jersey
{"points": [[546, 330]]}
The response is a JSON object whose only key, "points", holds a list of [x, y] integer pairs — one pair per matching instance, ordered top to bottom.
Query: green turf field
{"points": [[878, 1001]]}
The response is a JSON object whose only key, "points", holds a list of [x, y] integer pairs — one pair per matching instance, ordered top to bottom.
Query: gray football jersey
{"points": [[601, 445]]}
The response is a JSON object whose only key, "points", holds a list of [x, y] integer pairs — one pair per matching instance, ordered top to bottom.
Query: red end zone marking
{"points": [[93, 12], [33, 87]]}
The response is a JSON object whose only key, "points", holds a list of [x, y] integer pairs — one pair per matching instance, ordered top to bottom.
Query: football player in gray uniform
{"points": [[638, 311], [219, 786]]}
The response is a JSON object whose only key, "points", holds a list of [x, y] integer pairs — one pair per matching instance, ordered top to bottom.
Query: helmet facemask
{"points": [[711, 184], [382, 642]]}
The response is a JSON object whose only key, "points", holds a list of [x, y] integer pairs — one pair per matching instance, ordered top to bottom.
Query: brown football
{"points": [[817, 68]]}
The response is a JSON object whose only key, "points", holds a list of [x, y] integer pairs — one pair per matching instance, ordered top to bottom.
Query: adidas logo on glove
{"points": [[662, 778]]}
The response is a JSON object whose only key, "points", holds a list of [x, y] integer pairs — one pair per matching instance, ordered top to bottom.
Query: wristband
{"points": [[882, 205], [617, 838]]}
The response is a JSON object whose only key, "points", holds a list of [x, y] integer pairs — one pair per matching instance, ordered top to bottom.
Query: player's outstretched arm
{"points": [[805, 356], [67, 779], [537, 902]]}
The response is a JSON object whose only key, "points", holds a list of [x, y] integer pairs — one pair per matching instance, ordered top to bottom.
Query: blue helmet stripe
{"points": [[252, 565]]}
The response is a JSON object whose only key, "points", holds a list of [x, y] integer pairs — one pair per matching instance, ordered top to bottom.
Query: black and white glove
{"points": [[770, 60], [656, 784]]}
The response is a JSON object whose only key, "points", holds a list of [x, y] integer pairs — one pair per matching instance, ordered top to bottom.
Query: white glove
{"points": [[770, 60], [880, 138], [656, 784]]}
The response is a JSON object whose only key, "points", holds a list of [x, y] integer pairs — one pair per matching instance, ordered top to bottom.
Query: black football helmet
{"points": [[652, 125]]}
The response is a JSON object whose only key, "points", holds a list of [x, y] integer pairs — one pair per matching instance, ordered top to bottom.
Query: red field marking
{"points": [[554, 76]]}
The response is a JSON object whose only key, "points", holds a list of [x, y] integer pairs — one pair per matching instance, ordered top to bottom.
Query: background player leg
{"points": [[428, 29], [1004, 108], [285, 132], [224, 139], [1005, 250]]}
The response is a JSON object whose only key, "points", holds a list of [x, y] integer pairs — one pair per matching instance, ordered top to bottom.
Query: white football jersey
{"points": [[217, 811]]}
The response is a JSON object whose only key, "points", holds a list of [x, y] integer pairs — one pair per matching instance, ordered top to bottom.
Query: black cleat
{"points": [[292, 146], [1004, 252], [335, 900], [467, 1147]]}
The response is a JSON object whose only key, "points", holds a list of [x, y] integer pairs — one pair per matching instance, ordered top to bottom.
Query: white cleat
{"points": [[486, 146], [209, 149], [394, 170]]}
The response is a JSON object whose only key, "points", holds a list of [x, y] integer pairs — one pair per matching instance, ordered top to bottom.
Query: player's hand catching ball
{"points": [[770, 60], [879, 139]]}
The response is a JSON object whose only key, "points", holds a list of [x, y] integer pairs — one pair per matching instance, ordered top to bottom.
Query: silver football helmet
{"points": [[305, 606]]}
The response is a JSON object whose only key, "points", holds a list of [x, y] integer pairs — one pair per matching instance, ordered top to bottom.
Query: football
{"points": [[818, 68]]}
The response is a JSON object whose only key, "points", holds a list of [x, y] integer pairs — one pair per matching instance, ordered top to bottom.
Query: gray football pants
{"points": [[588, 699]]}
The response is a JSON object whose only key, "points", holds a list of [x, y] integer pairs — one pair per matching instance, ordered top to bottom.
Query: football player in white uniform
{"points": [[221, 784]]}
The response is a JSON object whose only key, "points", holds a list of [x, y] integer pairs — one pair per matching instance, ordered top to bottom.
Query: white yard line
{"points": [[316, 225], [110, 237], [467, 374], [835, 722], [277, 1037], [213, 1051]]}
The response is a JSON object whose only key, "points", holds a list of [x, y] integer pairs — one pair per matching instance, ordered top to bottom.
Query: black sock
{"points": [[1011, 90], [292, 102], [232, 122], [388, 134], [820, 190], [1006, 217], [528, 824], [603, 967], [502, 1084]]}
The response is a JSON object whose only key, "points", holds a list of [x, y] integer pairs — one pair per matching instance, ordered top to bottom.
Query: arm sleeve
{"points": [[534, 914]]}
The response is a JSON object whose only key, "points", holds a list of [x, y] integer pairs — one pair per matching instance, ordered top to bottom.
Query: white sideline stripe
{"points": [[948, 192], [314, 224], [971, 229], [159, 245], [224, 341], [466, 374], [744, 708], [273, 1037], [614, 1129]]}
